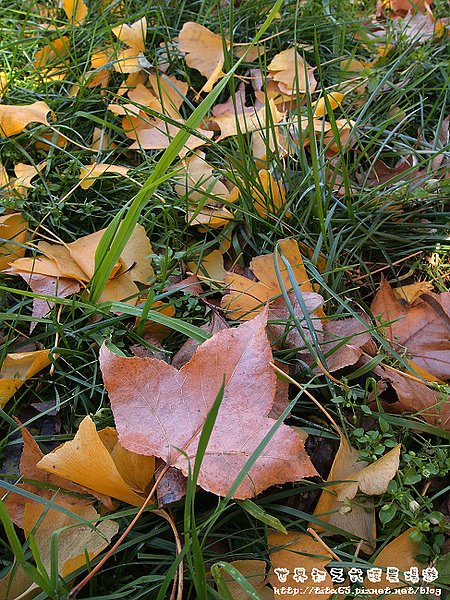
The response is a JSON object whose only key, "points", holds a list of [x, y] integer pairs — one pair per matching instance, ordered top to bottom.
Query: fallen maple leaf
{"points": [[204, 51], [292, 73], [14, 119], [13, 229], [247, 297], [422, 328], [17, 368], [161, 411], [96, 460], [292, 552]]}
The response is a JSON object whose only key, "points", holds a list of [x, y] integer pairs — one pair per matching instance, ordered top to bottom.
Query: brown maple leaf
{"points": [[422, 328], [161, 411]]}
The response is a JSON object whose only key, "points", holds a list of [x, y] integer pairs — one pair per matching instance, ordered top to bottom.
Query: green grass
{"points": [[390, 229]]}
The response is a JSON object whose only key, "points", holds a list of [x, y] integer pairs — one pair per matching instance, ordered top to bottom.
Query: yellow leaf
{"points": [[76, 11], [133, 35], [203, 51], [130, 60], [51, 61], [292, 73], [3, 82], [170, 91], [334, 100], [14, 119], [250, 120], [345, 132], [161, 134], [89, 173], [25, 174], [197, 182], [272, 197], [213, 217], [13, 228], [210, 267], [411, 292], [247, 298], [18, 368], [90, 460], [372, 480], [334, 504], [75, 541], [293, 550], [401, 554], [254, 571]]}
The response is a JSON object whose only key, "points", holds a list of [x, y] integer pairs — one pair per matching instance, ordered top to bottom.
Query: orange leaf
{"points": [[76, 11], [133, 35], [292, 73], [14, 119], [89, 173], [13, 228], [17, 368], [161, 411]]}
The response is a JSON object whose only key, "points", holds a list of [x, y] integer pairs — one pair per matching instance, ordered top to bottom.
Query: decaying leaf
{"points": [[203, 51], [292, 73], [14, 119], [89, 173], [13, 229], [247, 297], [422, 328], [344, 342], [17, 368], [412, 396], [160, 411], [96, 460], [335, 506], [76, 541], [291, 553], [254, 572]]}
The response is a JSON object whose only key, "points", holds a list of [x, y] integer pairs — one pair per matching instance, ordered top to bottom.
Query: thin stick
{"points": [[305, 391], [317, 537], [74, 592]]}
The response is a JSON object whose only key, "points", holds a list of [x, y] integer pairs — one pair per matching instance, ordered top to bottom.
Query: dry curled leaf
{"points": [[292, 73], [14, 119], [254, 119], [13, 229], [76, 261], [17, 368], [161, 411], [96, 460], [292, 552]]}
